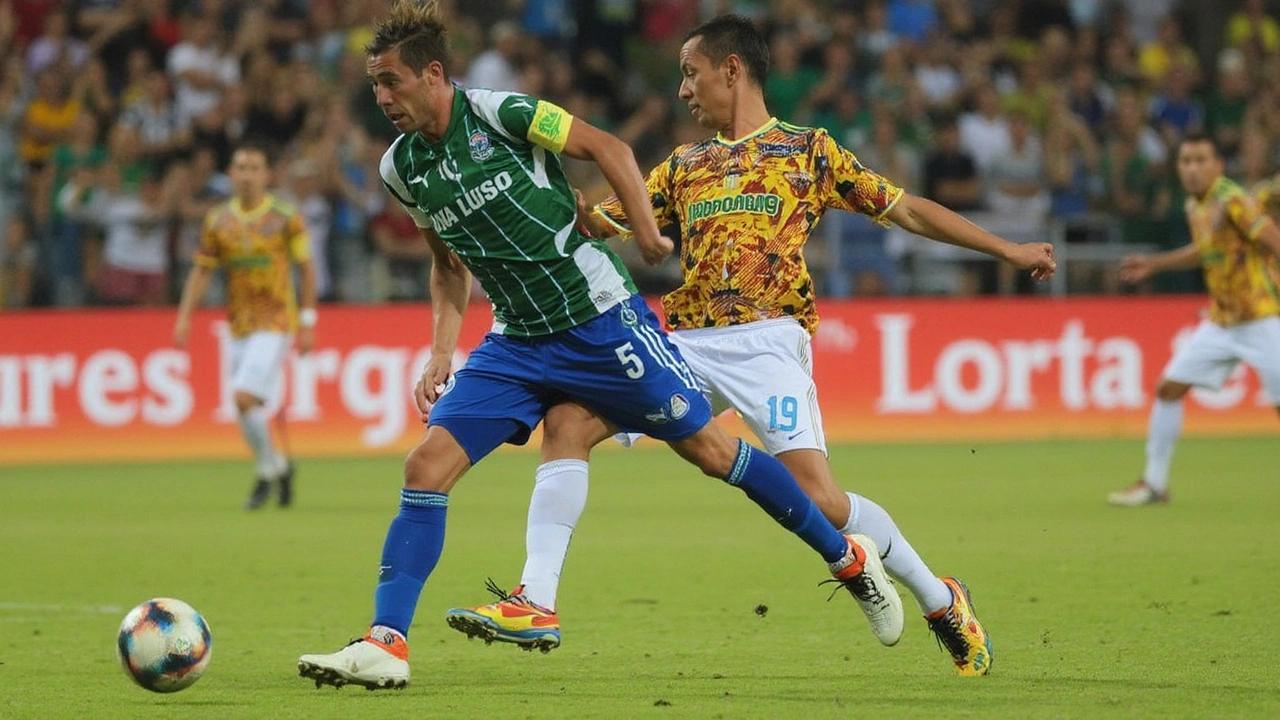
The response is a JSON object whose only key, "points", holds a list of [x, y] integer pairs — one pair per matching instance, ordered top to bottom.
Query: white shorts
{"points": [[1207, 358], [256, 361], [764, 371]]}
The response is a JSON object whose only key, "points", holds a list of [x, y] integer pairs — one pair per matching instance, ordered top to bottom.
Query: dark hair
{"points": [[416, 30], [727, 35], [1201, 137], [257, 146]]}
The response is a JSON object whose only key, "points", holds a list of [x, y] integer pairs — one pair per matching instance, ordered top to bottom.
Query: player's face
{"points": [[705, 88], [404, 96], [1198, 167], [249, 173]]}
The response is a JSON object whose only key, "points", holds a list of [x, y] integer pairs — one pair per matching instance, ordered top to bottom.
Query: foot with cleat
{"points": [[285, 486], [259, 494], [1137, 494], [862, 573], [512, 619], [960, 634], [372, 663]]}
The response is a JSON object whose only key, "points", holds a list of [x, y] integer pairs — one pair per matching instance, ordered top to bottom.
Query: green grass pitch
{"points": [[1094, 611]]}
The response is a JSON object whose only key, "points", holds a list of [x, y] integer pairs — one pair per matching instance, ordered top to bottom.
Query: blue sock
{"points": [[771, 486], [411, 551]]}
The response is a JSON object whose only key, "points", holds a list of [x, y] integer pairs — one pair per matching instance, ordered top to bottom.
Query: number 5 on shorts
{"points": [[630, 361]]}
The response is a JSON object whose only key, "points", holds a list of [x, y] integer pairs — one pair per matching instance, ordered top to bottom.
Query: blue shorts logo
{"points": [[481, 147], [629, 317], [448, 384], [679, 406]]}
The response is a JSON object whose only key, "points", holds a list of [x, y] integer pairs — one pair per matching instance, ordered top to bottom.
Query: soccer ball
{"points": [[164, 645]]}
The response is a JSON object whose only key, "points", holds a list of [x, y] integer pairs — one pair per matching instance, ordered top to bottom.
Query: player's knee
{"points": [[1170, 391], [246, 402], [711, 450], [426, 468]]}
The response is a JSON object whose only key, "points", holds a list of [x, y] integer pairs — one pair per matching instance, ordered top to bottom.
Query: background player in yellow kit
{"points": [[746, 202], [256, 239], [1237, 244]]}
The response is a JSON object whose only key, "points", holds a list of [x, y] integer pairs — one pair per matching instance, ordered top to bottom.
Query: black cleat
{"points": [[285, 488], [258, 496]]}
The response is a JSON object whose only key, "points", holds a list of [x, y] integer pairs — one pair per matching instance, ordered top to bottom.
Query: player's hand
{"points": [[584, 212], [655, 252], [1036, 257], [1135, 268], [181, 332], [306, 339], [434, 376]]}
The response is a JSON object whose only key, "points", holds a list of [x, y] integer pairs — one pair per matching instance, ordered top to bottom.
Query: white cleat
{"points": [[1136, 495], [862, 573], [367, 662]]}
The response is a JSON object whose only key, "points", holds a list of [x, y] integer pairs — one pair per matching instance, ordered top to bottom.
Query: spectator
{"points": [[912, 19], [1252, 30], [56, 46], [1165, 53], [200, 68], [495, 68], [936, 74], [790, 82], [1088, 99], [1228, 103], [1174, 112], [48, 118], [984, 132], [162, 133], [950, 174], [1017, 186], [402, 259], [17, 262]]}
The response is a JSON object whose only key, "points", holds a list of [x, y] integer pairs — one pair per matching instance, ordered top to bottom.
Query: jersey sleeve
{"points": [[844, 183], [659, 184], [395, 185], [1247, 216], [299, 240], [207, 254]]}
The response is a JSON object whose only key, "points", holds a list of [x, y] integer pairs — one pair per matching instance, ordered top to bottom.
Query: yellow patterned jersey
{"points": [[745, 209], [256, 249], [1241, 274]]}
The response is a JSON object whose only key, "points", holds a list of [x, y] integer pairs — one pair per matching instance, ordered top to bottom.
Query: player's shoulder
{"points": [[480, 98], [393, 157], [1225, 190], [282, 206], [217, 212]]}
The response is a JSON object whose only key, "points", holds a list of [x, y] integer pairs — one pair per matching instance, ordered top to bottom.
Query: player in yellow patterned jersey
{"points": [[746, 202], [256, 239], [1237, 244]]}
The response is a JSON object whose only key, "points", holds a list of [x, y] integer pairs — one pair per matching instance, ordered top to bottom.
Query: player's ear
{"points": [[732, 69]]}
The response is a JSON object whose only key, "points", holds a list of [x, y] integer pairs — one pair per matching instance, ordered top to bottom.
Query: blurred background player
{"points": [[480, 173], [746, 202], [256, 239], [1237, 244]]}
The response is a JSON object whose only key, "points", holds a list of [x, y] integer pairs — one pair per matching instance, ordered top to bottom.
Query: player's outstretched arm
{"points": [[618, 165], [929, 219], [1269, 238], [1136, 268], [450, 291], [192, 292]]}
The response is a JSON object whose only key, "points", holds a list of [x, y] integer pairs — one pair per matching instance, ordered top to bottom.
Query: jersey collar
{"points": [[769, 125], [1212, 193], [263, 207]]}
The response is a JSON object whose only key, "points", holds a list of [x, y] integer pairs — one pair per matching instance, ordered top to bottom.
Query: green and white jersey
{"points": [[494, 191]]}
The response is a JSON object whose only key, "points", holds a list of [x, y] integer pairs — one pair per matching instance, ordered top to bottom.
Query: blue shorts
{"points": [[620, 365]]}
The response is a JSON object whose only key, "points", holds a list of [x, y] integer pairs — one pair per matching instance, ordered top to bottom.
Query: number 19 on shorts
{"points": [[783, 413]]}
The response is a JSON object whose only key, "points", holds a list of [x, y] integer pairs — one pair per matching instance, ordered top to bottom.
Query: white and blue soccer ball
{"points": [[164, 645]]}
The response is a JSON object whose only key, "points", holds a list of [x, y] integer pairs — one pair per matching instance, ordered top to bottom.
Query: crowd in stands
{"points": [[1040, 118]]}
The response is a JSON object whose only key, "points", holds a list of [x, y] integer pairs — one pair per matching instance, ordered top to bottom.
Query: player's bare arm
{"points": [[618, 165], [929, 219], [1269, 238], [1136, 268], [450, 291], [192, 293], [307, 307]]}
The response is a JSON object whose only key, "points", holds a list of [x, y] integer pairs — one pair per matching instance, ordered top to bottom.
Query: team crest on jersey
{"points": [[481, 147], [800, 181], [731, 182], [679, 406]]}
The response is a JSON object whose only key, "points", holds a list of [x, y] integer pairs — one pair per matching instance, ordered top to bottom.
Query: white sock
{"points": [[253, 426], [1162, 433], [559, 497], [900, 559]]}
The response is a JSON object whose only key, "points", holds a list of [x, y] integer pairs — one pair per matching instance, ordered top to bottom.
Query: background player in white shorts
{"points": [[745, 203], [256, 239], [1237, 245]]}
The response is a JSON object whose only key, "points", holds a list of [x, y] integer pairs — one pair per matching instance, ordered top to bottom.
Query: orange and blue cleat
{"points": [[512, 619]]}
